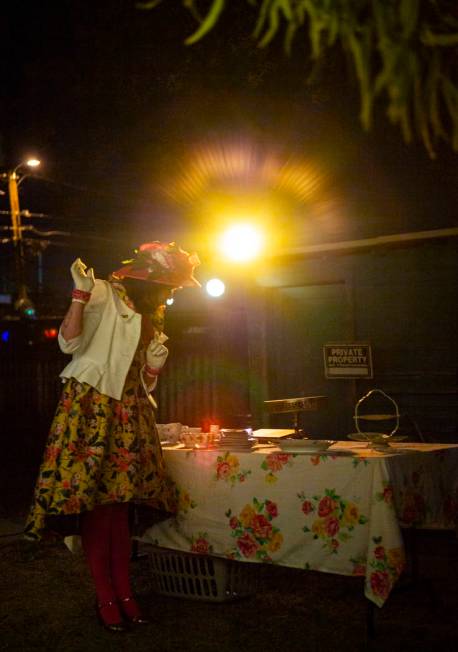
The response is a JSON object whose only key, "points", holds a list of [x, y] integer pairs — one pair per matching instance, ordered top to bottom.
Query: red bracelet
{"points": [[81, 295], [150, 371]]}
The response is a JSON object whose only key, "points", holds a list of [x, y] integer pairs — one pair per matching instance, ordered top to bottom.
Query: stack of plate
{"points": [[231, 440]]}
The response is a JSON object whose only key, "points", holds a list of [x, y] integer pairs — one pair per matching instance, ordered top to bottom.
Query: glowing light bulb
{"points": [[241, 243], [215, 287], [29, 312], [50, 333]]}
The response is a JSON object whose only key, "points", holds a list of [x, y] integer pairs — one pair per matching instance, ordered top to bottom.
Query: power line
{"points": [[134, 196], [26, 213], [46, 234]]}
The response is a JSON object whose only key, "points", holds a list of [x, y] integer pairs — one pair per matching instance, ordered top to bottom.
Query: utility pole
{"points": [[16, 227], [22, 304]]}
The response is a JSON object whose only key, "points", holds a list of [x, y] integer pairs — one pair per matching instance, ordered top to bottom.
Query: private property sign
{"points": [[347, 360]]}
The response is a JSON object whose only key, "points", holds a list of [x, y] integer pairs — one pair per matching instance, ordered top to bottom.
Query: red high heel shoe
{"points": [[108, 611], [131, 611]]}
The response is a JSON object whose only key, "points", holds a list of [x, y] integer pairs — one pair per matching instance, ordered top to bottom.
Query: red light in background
{"points": [[50, 333], [208, 422]]}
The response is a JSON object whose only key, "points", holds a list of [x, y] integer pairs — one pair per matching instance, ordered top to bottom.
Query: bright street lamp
{"points": [[33, 162]]}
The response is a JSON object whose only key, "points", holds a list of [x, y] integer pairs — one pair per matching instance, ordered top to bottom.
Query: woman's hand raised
{"points": [[83, 280]]}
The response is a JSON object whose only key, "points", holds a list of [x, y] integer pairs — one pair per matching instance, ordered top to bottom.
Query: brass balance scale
{"points": [[295, 406]]}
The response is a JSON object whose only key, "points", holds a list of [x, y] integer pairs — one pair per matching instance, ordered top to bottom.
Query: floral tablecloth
{"points": [[338, 512]]}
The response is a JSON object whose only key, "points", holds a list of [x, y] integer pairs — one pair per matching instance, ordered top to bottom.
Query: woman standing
{"points": [[103, 450]]}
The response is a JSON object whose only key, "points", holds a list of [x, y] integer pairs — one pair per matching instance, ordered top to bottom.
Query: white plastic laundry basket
{"points": [[200, 577]]}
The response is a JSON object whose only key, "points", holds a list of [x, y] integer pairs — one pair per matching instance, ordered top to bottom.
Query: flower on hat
{"points": [[164, 263]]}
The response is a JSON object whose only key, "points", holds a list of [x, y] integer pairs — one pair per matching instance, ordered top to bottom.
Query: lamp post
{"points": [[23, 304]]}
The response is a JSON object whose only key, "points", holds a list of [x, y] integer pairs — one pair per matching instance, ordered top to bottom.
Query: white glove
{"points": [[83, 280], [156, 355]]}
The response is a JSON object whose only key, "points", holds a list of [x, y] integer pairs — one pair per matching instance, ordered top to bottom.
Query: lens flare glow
{"points": [[241, 166], [241, 243], [215, 287]]}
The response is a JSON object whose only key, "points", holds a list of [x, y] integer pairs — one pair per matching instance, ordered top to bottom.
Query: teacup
{"points": [[187, 439]]}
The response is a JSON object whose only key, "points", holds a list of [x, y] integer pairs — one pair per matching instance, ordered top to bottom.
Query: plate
{"points": [[376, 437], [305, 445], [235, 449]]}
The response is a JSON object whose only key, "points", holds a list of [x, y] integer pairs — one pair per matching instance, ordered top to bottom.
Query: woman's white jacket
{"points": [[104, 351]]}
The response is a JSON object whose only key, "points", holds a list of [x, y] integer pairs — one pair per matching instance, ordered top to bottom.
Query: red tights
{"points": [[106, 543]]}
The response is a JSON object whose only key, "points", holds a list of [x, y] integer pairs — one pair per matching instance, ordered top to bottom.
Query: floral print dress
{"points": [[99, 450]]}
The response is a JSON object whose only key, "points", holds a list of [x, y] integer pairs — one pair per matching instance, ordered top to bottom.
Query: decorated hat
{"points": [[159, 262]]}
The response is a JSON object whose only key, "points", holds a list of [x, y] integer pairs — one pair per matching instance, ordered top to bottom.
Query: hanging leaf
{"points": [[151, 4], [286, 8], [408, 14], [262, 17], [274, 20], [208, 22], [315, 27], [333, 28], [289, 36], [440, 40], [394, 46], [360, 48], [432, 93], [450, 95], [420, 113]]}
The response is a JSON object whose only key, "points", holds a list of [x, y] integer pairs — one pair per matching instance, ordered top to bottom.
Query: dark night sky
{"points": [[113, 102]]}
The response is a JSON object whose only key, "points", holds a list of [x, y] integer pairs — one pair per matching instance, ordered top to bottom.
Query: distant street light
{"points": [[32, 162], [215, 287], [23, 304]]}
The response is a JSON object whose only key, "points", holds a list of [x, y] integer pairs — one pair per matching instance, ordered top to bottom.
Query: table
{"points": [[337, 512]]}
